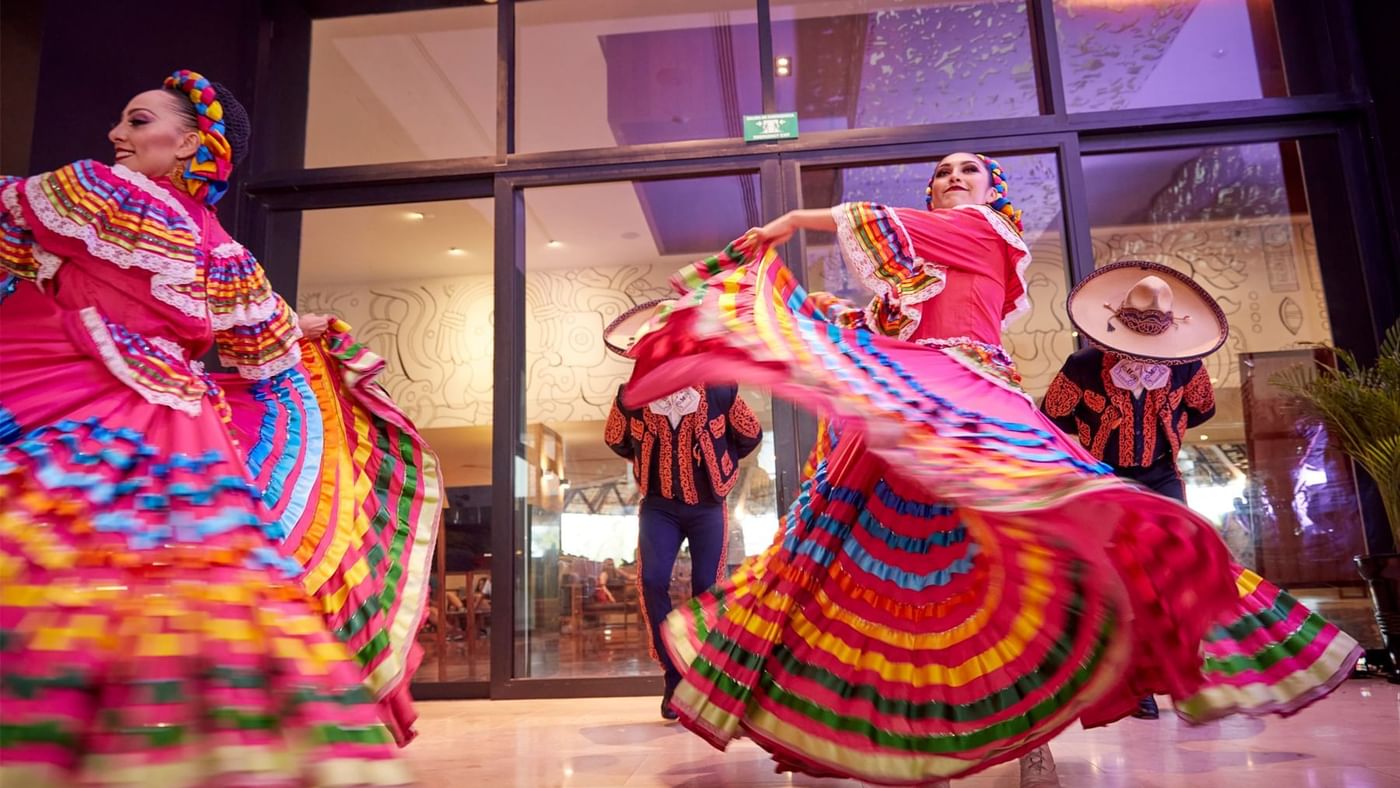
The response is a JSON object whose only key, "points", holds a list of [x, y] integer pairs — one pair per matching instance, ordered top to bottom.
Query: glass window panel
{"points": [[1122, 54], [880, 63], [627, 72], [406, 86], [1236, 219], [591, 252], [415, 282], [1040, 340]]}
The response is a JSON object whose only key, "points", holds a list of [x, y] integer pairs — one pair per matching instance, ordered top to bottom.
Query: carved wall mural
{"points": [[1264, 273], [437, 336]]}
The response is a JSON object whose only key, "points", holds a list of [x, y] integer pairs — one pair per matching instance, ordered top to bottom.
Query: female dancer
{"points": [[956, 582], [151, 631]]}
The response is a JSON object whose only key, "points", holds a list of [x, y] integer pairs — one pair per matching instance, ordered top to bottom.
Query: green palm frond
{"points": [[1360, 406]]}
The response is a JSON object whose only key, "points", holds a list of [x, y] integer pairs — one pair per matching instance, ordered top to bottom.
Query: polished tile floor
{"points": [[1350, 740]]}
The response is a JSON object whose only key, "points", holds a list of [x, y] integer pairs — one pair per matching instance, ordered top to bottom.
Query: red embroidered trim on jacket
{"points": [[1200, 395], [1062, 397], [1095, 401], [1154, 407], [1117, 417], [743, 419], [717, 426], [659, 427], [616, 429], [692, 429], [1175, 435], [683, 449], [642, 466], [722, 475], [720, 573]]}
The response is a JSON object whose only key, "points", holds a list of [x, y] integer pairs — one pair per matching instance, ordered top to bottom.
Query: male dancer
{"points": [[1132, 395], [685, 451]]}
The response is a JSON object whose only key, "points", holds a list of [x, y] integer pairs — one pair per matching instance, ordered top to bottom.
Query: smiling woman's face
{"points": [[154, 134], [961, 179]]}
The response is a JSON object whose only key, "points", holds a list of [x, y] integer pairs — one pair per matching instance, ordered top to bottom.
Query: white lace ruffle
{"points": [[149, 186], [9, 197], [1015, 241], [228, 250], [49, 264], [865, 268], [166, 272], [1022, 304], [243, 314], [247, 314], [942, 342], [169, 346], [290, 357], [112, 359], [273, 368]]}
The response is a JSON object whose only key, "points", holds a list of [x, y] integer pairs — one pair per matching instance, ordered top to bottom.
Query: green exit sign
{"points": [[778, 126]]}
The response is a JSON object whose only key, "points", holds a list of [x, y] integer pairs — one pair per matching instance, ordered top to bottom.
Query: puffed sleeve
{"points": [[108, 215], [904, 256], [255, 330], [1200, 398], [745, 431], [618, 433]]}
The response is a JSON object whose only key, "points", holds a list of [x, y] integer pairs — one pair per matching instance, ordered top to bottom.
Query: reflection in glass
{"points": [[1121, 55], [883, 63], [627, 72], [406, 86], [1235, 218], [592, 252], [415, 282], [1041, 339]]}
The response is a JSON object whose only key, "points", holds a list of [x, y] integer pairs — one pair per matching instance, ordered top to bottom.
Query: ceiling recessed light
{"points": [[783, 62], [784, 71], [416, 216], [554, 244], [456, 251], [1074, 333], [1205, 437]]}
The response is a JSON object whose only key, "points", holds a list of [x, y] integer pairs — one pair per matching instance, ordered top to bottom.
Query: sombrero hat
{"points": [[1147, 311], [630, 326]]}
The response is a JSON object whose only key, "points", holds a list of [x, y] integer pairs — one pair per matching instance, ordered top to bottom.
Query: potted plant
{"points": [[1360, 407]]}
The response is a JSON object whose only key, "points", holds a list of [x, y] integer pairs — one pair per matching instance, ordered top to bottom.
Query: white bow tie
{"points": [[1138, 375], [677, 406]]}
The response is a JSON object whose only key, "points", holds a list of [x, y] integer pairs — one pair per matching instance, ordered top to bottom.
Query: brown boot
{"points": [[1038, 769]]}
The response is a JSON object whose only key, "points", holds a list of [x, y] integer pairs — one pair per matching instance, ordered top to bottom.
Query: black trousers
{"points": [[1161, 477], [664, 525]]}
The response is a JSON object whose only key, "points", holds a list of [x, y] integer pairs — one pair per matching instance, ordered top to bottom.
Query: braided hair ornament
{"points": [[208, 171], [1002, 204]]}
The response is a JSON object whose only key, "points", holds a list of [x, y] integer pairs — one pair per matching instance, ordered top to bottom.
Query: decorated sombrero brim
{"points": [[630, 326], [1198, 326]]}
